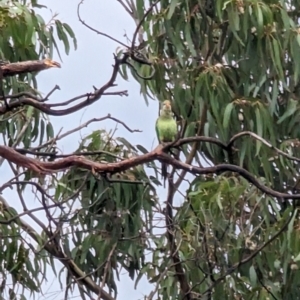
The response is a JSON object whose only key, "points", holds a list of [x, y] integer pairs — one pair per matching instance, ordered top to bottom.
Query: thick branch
{"points": [[28, 66], [157, 154]]}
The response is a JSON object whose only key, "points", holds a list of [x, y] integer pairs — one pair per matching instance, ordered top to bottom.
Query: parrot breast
{"points": [[167, 129]]}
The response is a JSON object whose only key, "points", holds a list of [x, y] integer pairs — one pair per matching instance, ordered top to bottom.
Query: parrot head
{"points": [[167, 105], [166, 108]]}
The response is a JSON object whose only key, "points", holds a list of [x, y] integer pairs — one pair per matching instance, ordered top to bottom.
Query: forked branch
{"points": [[89, 98], [158, 153]]}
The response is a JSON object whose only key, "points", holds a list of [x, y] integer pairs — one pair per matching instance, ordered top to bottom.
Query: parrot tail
{"points": [[164, 172]]}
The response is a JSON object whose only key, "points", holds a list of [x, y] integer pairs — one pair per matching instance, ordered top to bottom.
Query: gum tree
{"points": [[231, 71]]}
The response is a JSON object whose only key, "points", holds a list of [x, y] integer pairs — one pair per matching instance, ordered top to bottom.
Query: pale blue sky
{"points": [[91, 65]]}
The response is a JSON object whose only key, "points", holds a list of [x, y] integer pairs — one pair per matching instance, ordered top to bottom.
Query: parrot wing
{"points": [[156, 129]]}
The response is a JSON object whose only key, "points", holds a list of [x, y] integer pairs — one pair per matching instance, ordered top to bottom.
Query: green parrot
{"points": [[166, 129]]}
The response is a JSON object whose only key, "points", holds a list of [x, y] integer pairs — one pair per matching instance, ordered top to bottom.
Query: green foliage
{"points": [[25, 35], [231, 64], [228, 67], [230, 70], [113, 210], [232, 220], [15, 263]]}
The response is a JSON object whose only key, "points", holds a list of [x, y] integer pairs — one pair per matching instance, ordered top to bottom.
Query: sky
{"points": [[91, 65]]}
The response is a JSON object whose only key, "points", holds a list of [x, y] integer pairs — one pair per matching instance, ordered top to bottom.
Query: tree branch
{"points": [[140, 24], [95, 30], [28, 66], [90, 98], [257, 137], [195, 146], [157, 154], [252, 255], [66, 261], [180, 274]]}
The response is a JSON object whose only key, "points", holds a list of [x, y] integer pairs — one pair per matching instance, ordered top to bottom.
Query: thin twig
{"points": [[126, 8], [140, 24], [95, 30], [51, 92], [82, 126], [19, 137], [257, 137], [13, 219], [252, 255], [106, 269], [180, 274]]}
